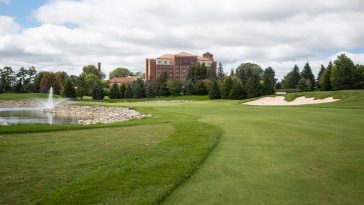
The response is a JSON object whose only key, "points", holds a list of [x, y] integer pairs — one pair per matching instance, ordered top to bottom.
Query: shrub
{"points": [[214, 90], [69, 91], [97, 92]]}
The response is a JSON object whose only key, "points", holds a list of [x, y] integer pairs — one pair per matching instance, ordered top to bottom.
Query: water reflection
{"points": [[38, 116]]}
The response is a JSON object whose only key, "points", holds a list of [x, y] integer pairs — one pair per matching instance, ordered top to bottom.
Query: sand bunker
{"points": [[279, 100]]}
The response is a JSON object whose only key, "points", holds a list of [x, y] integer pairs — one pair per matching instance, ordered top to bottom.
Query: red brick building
{"points": [[177, 65]]}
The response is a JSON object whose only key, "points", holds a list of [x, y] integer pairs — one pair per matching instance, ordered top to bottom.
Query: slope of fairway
{"points": [[281, 155], [138, 164]]}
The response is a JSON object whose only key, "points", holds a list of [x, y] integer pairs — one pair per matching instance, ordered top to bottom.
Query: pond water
{"points": [[31, 116]]}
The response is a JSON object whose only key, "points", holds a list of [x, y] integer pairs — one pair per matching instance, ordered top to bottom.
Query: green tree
{"points": [[91, 69], [248, 70], [220, 72], [232, 72], [119, 73], [342, 73], [308, 75], [21, 76], [359, 77], [7, 79], [37, 79], [269, 81], [290, 81], [324, 81], [162, 85], [302, 86], [175, 87], [189, 87], [226, 87], [138, 88], [200, 88], [253, 88], [69, 90], [122, 90], [114, 91], [128, 91], [151, 91], [97, 92], [214, 92], [237, 92]]}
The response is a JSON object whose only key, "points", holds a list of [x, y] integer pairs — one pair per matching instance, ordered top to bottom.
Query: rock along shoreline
{"points": [[98, 114]]}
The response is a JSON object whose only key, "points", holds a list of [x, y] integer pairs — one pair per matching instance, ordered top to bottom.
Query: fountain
{"points": [[49, 104], [37, 113]]}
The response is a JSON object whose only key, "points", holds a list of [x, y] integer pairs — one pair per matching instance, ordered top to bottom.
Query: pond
{"points": [[31, 116]]}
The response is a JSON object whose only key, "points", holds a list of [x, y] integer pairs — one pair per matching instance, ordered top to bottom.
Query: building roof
{"points": [[208, 53], [184, 54], [166, 56], [200, 58], [123, 80]]}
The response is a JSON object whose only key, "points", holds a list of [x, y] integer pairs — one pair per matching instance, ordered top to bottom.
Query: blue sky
{"points": [[22, 11], [125, 32]]}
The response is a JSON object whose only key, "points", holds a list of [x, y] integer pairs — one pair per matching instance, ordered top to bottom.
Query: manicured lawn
{"points": [[23, 96], [185, 97], [310, 154]]}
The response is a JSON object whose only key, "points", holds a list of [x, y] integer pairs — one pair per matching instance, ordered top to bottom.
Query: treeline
{"points": [[340, 75], [29, 80], [248, 80]]}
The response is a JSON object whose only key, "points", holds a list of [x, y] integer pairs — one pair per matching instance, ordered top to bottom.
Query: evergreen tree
{"points": [[322, 69], [220, 72], [232, 72], [342, 73], [308, 75], [358, 77], [292, 78], [269, 81], [325, 82], [162, 85], [278, 85], [302, 86], [175, 87], [226, 87], [138, 88], [189, 88], [200, 88], [253, 88], [69, 90], [122, 90], [150, 90], [114, 91], [128, 91], [237, 91], [97, 92], [214, 92]]}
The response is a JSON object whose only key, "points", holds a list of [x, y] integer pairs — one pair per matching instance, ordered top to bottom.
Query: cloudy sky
{"points": [[65, 34]]}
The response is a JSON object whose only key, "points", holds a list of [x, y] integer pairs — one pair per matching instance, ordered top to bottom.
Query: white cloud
{"points": [[123, 33]]}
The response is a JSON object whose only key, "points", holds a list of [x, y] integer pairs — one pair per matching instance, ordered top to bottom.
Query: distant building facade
{"points": [[177, 66]]}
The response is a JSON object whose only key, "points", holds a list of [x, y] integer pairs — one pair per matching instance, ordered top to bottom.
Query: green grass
{"points": [[23, 96], [185, 97], [310, 154], [135, 163]]}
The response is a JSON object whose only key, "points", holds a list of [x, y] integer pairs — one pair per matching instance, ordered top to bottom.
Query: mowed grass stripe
{"points": [[281, 155], [145, 177]]}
